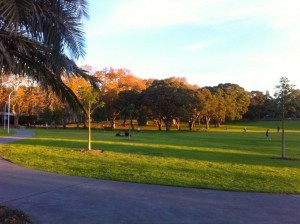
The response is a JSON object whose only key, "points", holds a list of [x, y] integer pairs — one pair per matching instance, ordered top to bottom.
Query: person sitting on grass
{"points": [[127, 133]]}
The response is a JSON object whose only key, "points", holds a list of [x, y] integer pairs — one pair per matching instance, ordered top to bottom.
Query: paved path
{"points": [[51, 198]]}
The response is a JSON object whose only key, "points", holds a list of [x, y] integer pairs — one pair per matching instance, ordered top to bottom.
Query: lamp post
{"points": [[15, 85], [8, 107], [8, 110], [4, 118]]}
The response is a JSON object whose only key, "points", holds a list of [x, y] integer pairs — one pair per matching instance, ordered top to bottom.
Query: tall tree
{"points": [[42, 40], [113, 81], [296, 97], [284, 98], [167, 99], [236, 99], [128, 102], [209, 105], [258, 105], [194, 109], [219, 114]]}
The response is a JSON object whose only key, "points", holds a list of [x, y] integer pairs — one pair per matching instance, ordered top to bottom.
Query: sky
{"points": [[251, 43]]}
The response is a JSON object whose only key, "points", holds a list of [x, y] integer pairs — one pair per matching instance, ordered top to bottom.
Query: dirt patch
{"points": [[93, 151], [289, 159]]}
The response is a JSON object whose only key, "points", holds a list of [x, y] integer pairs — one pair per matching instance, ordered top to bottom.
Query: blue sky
{"points": [[251, 43]]}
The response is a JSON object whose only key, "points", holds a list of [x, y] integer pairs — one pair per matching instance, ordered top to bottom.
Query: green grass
{"points": [[3, 132], [223, 158]]}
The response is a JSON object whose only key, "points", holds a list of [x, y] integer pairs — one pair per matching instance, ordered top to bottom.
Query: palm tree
{"points": [[42, 39]]}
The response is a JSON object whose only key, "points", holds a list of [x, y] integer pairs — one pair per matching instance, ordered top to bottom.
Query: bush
{"points": [[11, 216]]}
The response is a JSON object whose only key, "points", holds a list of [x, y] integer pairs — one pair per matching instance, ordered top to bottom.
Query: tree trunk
{"points": [[16, 116], [16, 119], [206, 120], [124, 121], [219, 121], [113, 122], [215, 122], [84, 123], [131, 124], [159, 124], [178, 124], [191, 124], [207, 124], [168, 125], [89, 127]]}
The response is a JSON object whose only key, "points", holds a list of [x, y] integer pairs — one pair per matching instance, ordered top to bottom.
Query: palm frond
{"points": [[37, 36]]}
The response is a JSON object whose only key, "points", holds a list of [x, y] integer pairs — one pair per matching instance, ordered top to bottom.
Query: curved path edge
{"points": [[19, 135], [54, 198]]}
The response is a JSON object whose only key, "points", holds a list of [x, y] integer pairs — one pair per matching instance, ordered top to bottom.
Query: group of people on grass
{"points": [[267, 132], [127, 133]]}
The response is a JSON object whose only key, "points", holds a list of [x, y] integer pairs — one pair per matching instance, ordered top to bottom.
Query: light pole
{"points": [[15, 85], [8, 110], [4, 118]]}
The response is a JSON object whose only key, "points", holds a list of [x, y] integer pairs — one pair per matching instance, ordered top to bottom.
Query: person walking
{"points": [[267, 134]]}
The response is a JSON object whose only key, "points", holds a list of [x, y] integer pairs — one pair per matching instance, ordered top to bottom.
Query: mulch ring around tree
{"points": [[93, 151], [288, 159]]}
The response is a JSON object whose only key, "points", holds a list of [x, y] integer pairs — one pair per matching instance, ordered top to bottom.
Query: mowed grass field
{"points": [[3, 132], [224, 158]]}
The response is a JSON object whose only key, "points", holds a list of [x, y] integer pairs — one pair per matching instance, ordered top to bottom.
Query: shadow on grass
{"points": [[219, 155]]}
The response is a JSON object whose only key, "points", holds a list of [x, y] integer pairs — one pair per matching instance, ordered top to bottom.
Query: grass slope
{"points": [[224, 158]]}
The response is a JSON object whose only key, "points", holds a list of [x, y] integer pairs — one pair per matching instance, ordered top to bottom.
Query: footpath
{"points": [[53, 198]]}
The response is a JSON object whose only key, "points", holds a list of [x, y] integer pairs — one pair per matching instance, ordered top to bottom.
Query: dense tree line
{"points": [[121, 95]]}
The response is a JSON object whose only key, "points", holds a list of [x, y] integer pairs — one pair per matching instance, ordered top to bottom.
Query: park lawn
{"points": [[3, 132], [224, 158]]}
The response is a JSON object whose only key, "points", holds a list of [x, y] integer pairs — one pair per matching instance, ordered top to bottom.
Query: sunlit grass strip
{"points": [[124, 142], [215, 160], [166, 171]]}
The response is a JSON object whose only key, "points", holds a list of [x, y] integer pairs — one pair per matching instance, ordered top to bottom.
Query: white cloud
{"points": [[145, 13], [132, 14], [201, 45], [261, 72]]}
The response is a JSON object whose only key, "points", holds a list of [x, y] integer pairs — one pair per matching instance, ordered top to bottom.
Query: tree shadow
{"points": [[218, 155]]}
